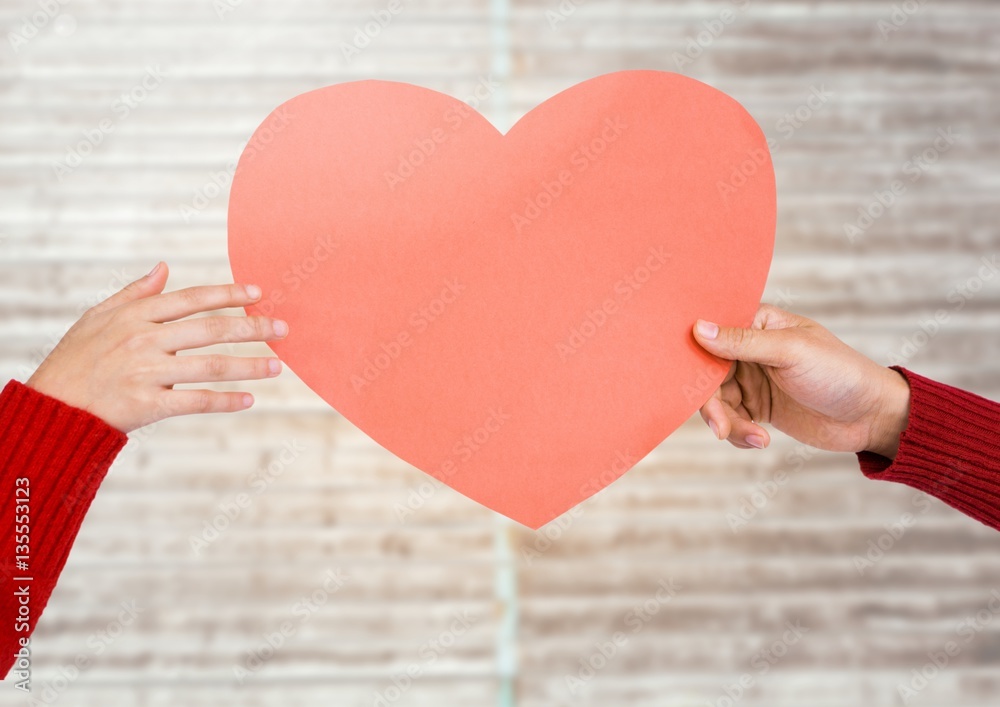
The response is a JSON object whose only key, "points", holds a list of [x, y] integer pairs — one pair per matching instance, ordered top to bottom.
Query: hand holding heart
{"points": [[793, 373]]}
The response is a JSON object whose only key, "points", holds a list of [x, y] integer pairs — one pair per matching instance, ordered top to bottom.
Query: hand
{"points": [[119, 360], [791, 372]]}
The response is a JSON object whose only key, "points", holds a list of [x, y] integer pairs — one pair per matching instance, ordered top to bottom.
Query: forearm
{"points": [[53, 457]]}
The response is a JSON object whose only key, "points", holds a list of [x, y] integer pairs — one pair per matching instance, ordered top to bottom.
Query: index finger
{"points": [[194, 300]]}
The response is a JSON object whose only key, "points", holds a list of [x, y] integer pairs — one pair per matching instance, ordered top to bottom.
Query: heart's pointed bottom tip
{"points": [[533, 522]]}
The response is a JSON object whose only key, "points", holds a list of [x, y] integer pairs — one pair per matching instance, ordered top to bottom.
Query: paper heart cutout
{"points": [[509, 313]]}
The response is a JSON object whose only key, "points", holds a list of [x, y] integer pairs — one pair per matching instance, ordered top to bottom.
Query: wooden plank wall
{"points": [[485, 612]]}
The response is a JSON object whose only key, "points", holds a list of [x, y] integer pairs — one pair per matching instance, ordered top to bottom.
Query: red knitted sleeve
{"points": [[950, 449], [52, 459]]}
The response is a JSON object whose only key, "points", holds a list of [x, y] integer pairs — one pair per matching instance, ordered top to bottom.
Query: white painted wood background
{"points": [[64, 242]]}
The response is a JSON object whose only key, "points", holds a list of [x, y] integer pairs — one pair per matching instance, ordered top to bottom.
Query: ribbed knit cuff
{"points": [[950, 449], [64, 453]]}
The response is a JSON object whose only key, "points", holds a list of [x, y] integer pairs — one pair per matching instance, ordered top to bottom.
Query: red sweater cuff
{"points": [[950, 449]]}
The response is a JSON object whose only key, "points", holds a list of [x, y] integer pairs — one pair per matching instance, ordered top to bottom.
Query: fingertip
{"points": [[160, 271], [153, 282], [253, 292], [706, 330], [246, 401], [716, 417], [725, 428], [756, 441]]}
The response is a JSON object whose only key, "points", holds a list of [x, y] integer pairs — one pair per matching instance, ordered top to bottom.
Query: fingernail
{"points": [[154, 270], [253, 292], [280, 328], [707, 330], [274, 366], [247, 401], [715, 428], [755, 441]]}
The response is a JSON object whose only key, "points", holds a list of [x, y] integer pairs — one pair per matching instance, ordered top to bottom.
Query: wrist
{"points": [[37, 382], [41, 382], [892, 415]]}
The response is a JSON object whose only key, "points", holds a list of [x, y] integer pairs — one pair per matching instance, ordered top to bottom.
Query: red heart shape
{"points": [[509, 313]]}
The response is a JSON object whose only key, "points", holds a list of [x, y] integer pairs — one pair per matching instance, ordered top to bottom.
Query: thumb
{"points": [[148, 285], [765, 346]]}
